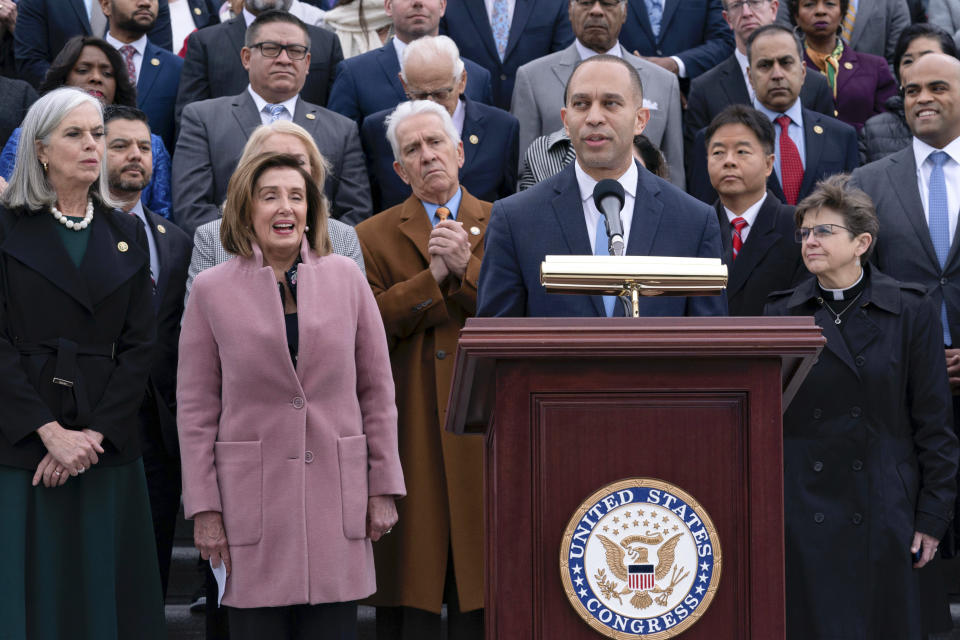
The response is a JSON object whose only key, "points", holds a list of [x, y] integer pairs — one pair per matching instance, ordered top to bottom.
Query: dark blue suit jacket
{"points": [[44, 26], [539, 27], [693, 30], [369, 83], [157, 90], [831, 147], [489, 169], [547, 219]]}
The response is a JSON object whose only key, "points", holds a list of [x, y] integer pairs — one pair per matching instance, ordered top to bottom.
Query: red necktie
{"points": [[128, 52], [791, 169], [739, 224]]}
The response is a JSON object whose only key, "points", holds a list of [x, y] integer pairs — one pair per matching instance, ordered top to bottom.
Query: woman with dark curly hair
{"points": [[96, 67]]}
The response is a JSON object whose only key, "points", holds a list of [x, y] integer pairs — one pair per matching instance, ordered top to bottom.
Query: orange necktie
{"points": [[443, 213]]}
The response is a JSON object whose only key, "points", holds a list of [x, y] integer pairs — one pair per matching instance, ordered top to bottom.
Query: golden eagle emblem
{"points": [[636, 549]]}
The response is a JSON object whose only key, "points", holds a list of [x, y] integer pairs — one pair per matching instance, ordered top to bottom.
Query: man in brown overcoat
{"points": [[423, 259]]}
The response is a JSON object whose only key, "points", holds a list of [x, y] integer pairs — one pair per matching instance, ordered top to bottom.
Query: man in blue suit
{"points": [[44, 26], [530, 29], [686, 37], [432, 70], [156, 71], [370, 82], [603, 112]]}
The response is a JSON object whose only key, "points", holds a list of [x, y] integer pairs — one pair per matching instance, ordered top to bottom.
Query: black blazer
{"points": [[212, 68], [16, 96], [769, 260], [92, 326]]}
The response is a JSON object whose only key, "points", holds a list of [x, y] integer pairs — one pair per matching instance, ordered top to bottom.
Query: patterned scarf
{"points": [[828, 64], [291, 278]]}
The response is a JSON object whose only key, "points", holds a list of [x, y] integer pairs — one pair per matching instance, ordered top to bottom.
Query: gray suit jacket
{"points": [[946, 14], [877, 28], [538, 98], [213, 134], [904, 249], [208, 252]]}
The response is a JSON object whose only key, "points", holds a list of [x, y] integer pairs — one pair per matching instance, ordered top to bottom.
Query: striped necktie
{"points": [[846, 26], [274, 110], [739, 224]]}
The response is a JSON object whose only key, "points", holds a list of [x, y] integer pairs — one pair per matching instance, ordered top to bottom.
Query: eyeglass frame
{"points": [[606, 4], [737, 7], [289, 48], [437, 95], [799, 236]]}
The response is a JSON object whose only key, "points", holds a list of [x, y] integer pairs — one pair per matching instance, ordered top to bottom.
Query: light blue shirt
{"points": [[794, 130], [453, 204], [151, 243]]}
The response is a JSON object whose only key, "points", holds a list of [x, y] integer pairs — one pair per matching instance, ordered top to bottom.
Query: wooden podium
{"points": [[571, 405]]}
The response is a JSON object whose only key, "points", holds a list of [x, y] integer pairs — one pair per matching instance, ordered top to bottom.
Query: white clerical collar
{"points": [[585, 53], [258, 100], [628, 181]]}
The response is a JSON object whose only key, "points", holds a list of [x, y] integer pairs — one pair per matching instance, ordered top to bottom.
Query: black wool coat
{"points": [[90, 327], [870, 456]]}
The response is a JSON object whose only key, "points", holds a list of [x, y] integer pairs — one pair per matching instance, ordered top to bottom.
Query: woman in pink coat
{"points": [[288, 427]]}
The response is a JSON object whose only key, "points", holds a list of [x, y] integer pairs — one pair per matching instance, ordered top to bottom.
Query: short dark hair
{"points": [[793, 8], [274, 15], [771, 29], [922, 30], [66, 60], [635, 80], [123, 112], [748, 117], [653, 158], [853, 205]]}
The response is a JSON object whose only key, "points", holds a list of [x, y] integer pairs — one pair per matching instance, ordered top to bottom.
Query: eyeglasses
{"points": [[606, 4], [737, 7], [273, 50], [438, 95], [820, 231]]}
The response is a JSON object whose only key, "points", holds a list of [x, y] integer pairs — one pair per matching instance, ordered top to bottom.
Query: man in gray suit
{"points": [[877, 24], [538, 93], [213, 132]]}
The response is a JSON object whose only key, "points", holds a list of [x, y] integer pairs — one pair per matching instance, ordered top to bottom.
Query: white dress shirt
{"points": [[510, 6], [307, 13], [140, 45], [399, 46], [589, 53], [744, 63], [287, 114], [459, 115], [951, 175], [592, 215], [750, 215]]}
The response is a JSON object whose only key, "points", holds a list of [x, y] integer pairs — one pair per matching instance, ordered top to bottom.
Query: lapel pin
{"points": [[196, 11], [155, 62], [848, 65], [311, 116], [817, 129], [474, 139], [161, 228], [475, 231], [122, 246]]}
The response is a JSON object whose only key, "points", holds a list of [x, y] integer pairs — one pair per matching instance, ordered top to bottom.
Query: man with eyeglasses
{"points": [[597, 24], [212, 67], [433, 70], [727, 83], [214, 132]]}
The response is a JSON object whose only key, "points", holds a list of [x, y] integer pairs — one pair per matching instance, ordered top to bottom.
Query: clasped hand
{"points": [[449, 250], [69, 453]]}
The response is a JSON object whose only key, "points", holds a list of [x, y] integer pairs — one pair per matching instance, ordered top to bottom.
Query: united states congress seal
{"points": [[640, 558]]}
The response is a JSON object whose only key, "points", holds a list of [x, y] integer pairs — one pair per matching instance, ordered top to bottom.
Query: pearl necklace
{"points": [[70, 224]]}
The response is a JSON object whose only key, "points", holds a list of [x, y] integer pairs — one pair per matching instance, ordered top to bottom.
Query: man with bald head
{"points": [[431, 69], [603, 112]]}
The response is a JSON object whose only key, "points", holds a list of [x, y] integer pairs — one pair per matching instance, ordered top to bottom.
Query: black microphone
{"points": [[608, 196]]}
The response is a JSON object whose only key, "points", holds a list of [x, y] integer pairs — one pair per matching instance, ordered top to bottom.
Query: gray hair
{"points": [[432, 47], [414, 108], [29, 188]]}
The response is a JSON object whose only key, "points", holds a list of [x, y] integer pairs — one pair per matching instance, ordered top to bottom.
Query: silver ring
{"points": [[81, 469], [56, 472], [388, 531]]}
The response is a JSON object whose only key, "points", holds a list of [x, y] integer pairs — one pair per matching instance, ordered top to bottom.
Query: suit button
{"points": [[659, 52], [503, 76], [943, 281], [441, 354], [860, 360], [298, 403], [856, 412], [817, 413], [308, 457], [857, 465], [818, 466], [818, 518], [856, 519]]}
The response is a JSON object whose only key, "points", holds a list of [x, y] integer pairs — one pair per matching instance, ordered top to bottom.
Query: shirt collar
{"points": [[248, 17], [140, 44], [398, 46], [585, 53], [741, 60], [290, 104], [795, 112], [459, 115], [557, 137], [922, 150], [628, 181], [453, 204], [138, 211], [750, 215]]}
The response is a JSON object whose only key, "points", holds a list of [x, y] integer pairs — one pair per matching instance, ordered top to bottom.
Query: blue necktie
{"points": [[655, 13], [501, 28], [275, 110], [940, 223], [601, 247]]}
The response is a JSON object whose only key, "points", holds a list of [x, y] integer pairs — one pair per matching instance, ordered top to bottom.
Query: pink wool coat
{"points": [[289, 456]]}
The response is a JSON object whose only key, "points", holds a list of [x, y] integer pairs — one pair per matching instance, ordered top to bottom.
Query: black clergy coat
{"points": [[104, 306], [869, 457]]}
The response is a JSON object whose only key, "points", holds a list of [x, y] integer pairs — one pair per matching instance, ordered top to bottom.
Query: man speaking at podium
{"points": [[603, 112]]}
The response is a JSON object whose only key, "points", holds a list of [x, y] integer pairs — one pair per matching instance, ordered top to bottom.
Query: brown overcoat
{"points": [[443, 473]]}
